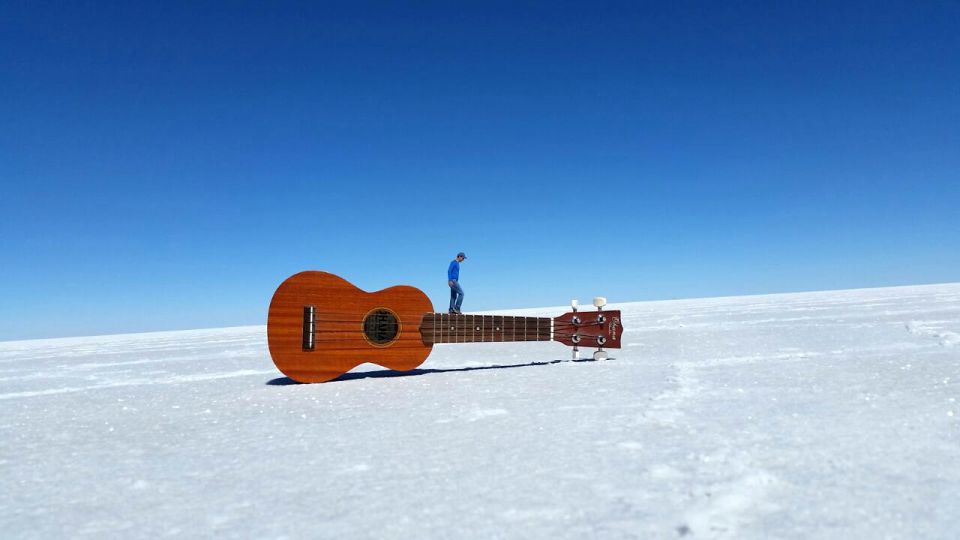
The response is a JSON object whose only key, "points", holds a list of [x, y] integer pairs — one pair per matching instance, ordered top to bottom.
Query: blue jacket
{"points": [[453, 272]]}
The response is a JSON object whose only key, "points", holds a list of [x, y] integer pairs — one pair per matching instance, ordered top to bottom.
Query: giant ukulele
{"points": [[320, 326]]}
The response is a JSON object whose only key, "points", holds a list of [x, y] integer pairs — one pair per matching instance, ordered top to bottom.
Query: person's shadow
{"points": [[352, 376]]}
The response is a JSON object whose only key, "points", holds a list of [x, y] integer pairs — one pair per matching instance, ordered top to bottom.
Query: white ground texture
{"points": [[814, 415]]}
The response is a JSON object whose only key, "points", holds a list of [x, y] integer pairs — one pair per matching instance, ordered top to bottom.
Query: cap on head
{"points": [[461, 254]]}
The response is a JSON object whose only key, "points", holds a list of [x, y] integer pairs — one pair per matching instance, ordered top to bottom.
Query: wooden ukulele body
{"points": [[320, 326], [350, 327]]}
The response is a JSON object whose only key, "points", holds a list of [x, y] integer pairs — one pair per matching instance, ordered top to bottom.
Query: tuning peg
{"points": [[599, 302], [574, 304], [576, 353], [600, 355]]}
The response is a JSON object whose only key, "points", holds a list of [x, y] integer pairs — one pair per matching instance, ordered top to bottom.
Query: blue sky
{"points": [[166, 165]]}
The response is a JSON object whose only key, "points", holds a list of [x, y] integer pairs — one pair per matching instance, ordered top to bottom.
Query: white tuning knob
{"points": [[599, 301], [574, 304], [600, 355]]}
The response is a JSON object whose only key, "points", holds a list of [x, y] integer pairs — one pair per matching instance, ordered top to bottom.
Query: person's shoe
{"points": [[453, 311], [457, 311]]}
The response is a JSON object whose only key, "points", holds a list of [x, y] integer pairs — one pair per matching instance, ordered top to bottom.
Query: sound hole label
{"points": [[381, 327]]}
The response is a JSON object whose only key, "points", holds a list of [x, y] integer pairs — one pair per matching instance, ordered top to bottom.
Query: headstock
{"points": [[600, 329]]}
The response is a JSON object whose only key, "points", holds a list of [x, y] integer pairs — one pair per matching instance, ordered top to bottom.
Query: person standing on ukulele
{"points": [[453, 279]]}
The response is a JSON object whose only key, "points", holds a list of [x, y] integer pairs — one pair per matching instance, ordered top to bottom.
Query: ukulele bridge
{"points": [[309, 327]]}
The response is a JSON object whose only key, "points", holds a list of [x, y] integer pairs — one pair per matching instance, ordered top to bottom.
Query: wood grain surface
{"points": [[340, 344]]}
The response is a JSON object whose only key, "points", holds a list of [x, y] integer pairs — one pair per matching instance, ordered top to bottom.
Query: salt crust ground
{"points": [[816, 415]]}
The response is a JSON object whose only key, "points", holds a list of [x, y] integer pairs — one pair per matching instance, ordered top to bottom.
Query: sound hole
{"points": [[381, 326]]}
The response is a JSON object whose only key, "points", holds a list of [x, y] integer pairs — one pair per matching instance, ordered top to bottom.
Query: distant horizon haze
{"points": [[585, 303]]}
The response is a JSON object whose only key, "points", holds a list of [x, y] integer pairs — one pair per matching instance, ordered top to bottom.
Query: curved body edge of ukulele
{"points": [[320, 326]]}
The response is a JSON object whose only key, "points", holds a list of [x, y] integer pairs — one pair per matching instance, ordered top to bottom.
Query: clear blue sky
{"points": [[165, 165]]}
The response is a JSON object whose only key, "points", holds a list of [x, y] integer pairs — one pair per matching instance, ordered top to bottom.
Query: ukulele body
{"points": [[320, 326]]}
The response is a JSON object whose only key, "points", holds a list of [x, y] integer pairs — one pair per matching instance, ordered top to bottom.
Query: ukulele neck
{"points": [[450, 328]]}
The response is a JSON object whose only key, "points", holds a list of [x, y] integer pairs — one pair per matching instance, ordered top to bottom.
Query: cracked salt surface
{"points": [[827, 415]]}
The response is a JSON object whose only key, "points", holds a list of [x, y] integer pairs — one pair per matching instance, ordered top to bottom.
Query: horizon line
{"points": [[685, 299]]}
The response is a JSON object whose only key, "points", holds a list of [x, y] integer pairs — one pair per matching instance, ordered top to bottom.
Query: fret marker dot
{"points": [[453, 328], [478, 328], [498, 328]]}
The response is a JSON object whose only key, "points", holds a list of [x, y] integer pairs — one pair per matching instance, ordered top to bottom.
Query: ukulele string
{"points": [[457, 322], [437, 324], [561, 329], [472, 332], [459, 333]]}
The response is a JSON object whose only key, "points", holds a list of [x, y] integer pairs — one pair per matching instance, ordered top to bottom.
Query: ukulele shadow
{"points": [[382, 373]]}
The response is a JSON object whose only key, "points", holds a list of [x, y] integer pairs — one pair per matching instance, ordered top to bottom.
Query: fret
{"points": [[453, 328]]}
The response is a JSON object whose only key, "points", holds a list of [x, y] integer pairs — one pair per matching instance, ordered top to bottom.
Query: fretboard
{"points": [[450, 328]]}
